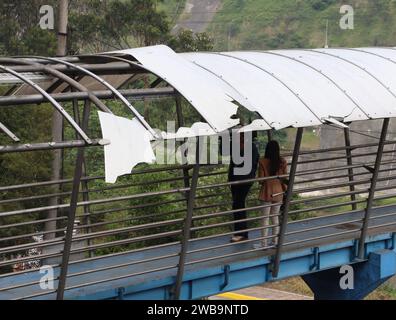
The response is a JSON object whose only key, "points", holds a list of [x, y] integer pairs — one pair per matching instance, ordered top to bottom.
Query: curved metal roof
{"points": [[287, 88]]}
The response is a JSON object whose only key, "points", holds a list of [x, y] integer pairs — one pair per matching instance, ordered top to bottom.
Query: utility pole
{"points": [[63, 17], [327, 34], [57, 120]]}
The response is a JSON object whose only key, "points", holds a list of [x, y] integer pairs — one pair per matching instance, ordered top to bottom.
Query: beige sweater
{"points": [[273, 186]]}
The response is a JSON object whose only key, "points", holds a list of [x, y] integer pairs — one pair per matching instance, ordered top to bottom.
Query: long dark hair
{"points": [[272, 153]]}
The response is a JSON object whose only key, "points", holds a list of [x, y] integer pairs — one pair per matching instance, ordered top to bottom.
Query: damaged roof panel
{"points": [[259, 88], [209, 96]]}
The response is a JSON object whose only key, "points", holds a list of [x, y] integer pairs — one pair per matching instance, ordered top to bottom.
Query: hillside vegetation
{"points": [[270, 24]]}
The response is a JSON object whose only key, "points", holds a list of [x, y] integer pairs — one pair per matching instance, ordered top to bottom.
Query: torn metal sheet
{"points": [[210, 96], [274, 101], [335, 122], [256, 125], [198, 129], [129, 145]]}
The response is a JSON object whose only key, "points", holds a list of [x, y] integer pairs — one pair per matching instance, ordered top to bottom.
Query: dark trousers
{"points": [[239, 195]]}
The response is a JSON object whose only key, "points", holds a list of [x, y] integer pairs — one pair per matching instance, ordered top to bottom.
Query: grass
{"points": [[269, 24], [298, 286]]}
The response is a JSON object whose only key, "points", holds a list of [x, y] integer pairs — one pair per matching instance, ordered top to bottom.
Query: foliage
{"points": [[321, 4], [117, 24], [270, 24], [19, 31], [187, 41]]}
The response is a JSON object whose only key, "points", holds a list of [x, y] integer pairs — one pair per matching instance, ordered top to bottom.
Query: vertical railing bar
{"points": [[180, 122], [347, 138], [84, 183], [370, 199], [286, 205], [72, 211], [187, 226]]}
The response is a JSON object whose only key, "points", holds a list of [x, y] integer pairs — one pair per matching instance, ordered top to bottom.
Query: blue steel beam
{"points": [[208, 280], [358, 281]]}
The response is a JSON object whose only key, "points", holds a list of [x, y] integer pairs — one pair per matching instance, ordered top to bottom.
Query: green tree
{"points": [[117, 24], [19, 31], [187, 41]]}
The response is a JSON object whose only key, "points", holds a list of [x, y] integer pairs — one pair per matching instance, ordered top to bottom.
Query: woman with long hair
{"points": [[272, 190]]}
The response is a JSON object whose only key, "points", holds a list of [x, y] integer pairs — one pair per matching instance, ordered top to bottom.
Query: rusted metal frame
{"points": [[20, 65], [70, 81], [110, 87], [135, 94], [51, 100], [9, 133], [52, 146], [374, 179], [286, 203], [72, 210]]}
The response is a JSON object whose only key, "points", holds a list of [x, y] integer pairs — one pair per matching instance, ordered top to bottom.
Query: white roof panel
{"points": [[388, 53], [286, 88], [260, 89], [369, 95], [211, 97]]}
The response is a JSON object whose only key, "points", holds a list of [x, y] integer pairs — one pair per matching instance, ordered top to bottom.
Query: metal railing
{"points": [[209, 220]]}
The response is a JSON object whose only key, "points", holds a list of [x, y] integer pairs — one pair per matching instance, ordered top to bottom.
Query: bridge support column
{"points": [[365, 278]]}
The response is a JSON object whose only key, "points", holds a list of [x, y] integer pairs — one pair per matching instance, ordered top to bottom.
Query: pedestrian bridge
{"points": [[163, 231], [215, 266]]}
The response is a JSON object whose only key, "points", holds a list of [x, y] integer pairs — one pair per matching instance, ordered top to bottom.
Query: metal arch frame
{"points": [[372, 53], [356, 65], [83, 70], [322, 74], [157, 75], [273, 76], [64, 78], [229, 84], [109, 86], [51, 100], [9, 133]]}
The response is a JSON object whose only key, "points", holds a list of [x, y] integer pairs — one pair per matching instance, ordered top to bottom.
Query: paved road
{"points": [[197, 15], [260, 293]]}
